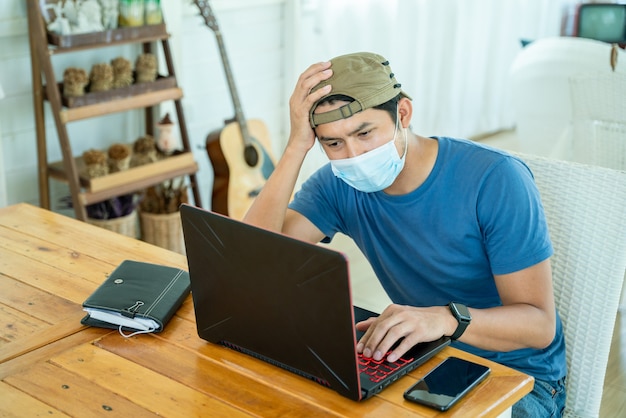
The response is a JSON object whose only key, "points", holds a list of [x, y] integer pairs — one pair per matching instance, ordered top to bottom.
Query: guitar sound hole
{"points": [[251, 156], [254, 193]]}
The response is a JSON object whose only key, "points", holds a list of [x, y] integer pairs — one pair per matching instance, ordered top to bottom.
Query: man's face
{"points": [[358, 134]]}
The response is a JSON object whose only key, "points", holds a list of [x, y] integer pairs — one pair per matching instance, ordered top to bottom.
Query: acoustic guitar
{"points": [[239, 151]]}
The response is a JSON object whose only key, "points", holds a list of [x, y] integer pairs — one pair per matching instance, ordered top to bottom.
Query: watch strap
{"points": [[462, 319]]}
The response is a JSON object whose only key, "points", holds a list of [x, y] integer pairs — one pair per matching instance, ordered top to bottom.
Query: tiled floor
{"points": [[368, 294]]}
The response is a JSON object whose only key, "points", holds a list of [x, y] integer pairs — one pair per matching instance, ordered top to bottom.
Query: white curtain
{"points": [[452, 56]]}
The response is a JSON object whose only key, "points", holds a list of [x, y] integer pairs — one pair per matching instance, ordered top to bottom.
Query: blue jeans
{"points": [[547, 399]]}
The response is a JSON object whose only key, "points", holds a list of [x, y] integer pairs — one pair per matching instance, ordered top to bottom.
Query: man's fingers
{"points": [[311, 78]]}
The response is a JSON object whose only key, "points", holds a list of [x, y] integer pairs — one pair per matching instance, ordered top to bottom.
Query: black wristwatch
{"points": [[462, 315]]}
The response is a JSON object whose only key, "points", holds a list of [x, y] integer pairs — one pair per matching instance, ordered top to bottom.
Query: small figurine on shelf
{"points": [[69, 10], [110, 13], [89, 17], [59, 23], [146, 68], [122, 72], [101, 77], [74, 81], [166, 142], [144, 151], [119, 157], [96, 163]]}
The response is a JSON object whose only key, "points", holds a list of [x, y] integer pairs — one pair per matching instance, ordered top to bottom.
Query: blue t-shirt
{"points": [[478, 214]]}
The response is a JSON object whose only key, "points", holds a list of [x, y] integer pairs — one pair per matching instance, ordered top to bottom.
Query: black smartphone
{"points": [[448, 382]]}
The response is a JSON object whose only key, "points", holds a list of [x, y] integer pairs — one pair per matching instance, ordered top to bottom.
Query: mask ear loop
{"points": [[406, 141]]}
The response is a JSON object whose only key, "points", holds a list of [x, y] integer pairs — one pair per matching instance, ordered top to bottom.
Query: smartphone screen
{"points": [[448, 382]]}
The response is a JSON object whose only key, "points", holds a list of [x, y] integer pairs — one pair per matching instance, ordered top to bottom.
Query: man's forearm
{"points": [[269, 207]]}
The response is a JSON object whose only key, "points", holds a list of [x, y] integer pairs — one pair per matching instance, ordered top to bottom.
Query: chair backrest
{"points": [[586, 211]]}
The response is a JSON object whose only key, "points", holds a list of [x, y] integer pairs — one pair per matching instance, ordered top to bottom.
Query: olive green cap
{"points": [[364, 76]]}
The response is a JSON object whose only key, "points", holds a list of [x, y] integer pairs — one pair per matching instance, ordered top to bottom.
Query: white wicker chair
{"points": [[586, 211]]}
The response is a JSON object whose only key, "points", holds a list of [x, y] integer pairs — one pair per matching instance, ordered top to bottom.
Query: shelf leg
{"points": [[42, 63], [40, 130]]}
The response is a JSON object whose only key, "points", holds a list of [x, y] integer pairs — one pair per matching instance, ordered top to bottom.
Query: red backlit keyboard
{"points": [[377, 370]]}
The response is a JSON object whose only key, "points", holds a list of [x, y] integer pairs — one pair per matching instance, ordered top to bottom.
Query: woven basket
{"points": [[125, 225], [163, 230]]}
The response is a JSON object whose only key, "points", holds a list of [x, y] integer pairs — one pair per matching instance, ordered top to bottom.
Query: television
{"points": [[604, 22]]}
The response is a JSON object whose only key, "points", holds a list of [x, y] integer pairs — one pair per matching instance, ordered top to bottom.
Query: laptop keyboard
{"points": [[378, 370]]}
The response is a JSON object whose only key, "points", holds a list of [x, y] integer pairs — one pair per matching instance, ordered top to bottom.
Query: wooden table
{"points": [[52, 365]]}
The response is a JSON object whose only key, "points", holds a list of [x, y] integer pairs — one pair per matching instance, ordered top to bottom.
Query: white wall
{"points": [[15, 80]]}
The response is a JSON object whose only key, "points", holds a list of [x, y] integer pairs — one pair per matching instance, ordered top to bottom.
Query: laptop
{"points": [[284, 301]]}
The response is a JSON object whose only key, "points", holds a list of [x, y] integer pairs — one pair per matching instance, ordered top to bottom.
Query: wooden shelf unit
{"points": [[127, 181], [85, 191]]}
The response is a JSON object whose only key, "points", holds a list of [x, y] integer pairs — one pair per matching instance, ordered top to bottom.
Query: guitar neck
{"points": [[239, 117]]}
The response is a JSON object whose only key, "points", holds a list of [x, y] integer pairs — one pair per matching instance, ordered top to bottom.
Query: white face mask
{"points": [[374, 170]]}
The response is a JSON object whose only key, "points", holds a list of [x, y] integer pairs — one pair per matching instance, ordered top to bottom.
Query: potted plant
{"points": [[118, 213]]}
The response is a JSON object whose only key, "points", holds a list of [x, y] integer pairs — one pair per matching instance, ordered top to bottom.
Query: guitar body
{"points": [[236, 183]]}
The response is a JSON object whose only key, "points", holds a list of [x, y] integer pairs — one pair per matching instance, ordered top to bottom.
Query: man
{"points": [[455, 231]]}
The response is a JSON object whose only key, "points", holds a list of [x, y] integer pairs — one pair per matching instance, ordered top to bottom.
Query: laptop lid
{"points": [[277, 298]]}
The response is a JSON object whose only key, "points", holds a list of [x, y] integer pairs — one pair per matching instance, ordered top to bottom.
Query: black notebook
{"points": [[137, 297]]}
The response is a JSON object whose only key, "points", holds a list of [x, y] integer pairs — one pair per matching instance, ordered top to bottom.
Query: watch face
{"points": [[462, 311]]}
